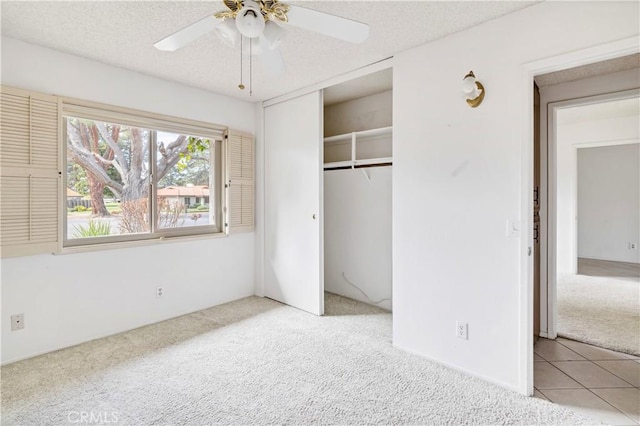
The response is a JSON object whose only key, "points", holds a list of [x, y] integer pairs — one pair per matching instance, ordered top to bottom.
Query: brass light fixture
{"points": [[270, 9], [251, 19], [473, 89]]}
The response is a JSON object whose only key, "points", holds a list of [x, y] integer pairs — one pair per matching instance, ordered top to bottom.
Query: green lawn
{"points": [[111, 208], [117, 208]]}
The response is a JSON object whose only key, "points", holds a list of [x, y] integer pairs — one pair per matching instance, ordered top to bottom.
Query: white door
{"points": [[293, 203]]}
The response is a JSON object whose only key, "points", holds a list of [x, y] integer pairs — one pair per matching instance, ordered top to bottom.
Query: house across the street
{"points": [[73, 195], [188, 195]]}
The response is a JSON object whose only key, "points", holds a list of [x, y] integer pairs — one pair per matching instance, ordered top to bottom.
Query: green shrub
{"points": [[195, 206], [81, 208], [202, 208], [94, 228]]}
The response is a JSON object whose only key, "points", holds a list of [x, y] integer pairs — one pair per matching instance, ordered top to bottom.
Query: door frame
{"points": [[581, 57], [360, 72], [552, 172]]}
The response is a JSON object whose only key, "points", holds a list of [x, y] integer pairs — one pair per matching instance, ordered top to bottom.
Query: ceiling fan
{"points": [[260, 21]]}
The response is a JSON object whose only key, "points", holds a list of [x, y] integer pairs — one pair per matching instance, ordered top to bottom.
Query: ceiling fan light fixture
{"points": [[249, 20], [227, 32], [272, 34]]}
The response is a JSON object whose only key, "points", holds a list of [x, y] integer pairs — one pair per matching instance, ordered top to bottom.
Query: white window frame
{"points": [[153, 122], [33, 155]]}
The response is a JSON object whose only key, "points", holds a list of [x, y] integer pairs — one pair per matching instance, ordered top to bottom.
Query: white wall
{"points": [[368, 112], [568, 138], [460, 174], [609, 202], [357, 233], [68, 299]]}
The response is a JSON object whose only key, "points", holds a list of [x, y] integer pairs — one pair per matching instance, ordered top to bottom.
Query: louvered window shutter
{"points": [[240, 172], [30, 173]]}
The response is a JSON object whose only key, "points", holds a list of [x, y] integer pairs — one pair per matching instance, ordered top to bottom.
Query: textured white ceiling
{"points": [[122, 33]]}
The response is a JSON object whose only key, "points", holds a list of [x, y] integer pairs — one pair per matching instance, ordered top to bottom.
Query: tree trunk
{"points": [[96, 191], [137, 191], [135, 207]]}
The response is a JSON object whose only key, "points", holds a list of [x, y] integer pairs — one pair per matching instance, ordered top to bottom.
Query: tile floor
{"points": [[596, 382]]}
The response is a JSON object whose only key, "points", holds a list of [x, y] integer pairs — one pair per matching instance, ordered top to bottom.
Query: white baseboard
{"points": [[467, 372]]}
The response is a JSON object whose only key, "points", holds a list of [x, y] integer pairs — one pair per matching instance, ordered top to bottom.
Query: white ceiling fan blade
{"points": [[331, 25], [188, 34], [271, 58]]}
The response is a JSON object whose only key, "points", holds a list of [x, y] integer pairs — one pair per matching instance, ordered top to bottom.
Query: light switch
{"points": [[513, 228]]}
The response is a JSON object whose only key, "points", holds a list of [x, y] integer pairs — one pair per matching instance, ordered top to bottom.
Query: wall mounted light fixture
{"points": [[473, 89]]}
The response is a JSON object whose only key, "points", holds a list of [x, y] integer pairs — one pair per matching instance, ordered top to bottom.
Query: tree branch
{"points": [[118, 154], [171, 155], [87, 161], [90, 161]]}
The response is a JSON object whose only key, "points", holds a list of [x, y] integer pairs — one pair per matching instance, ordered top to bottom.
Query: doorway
{"points": [[560, 91], [596, 141], [564, 365]]}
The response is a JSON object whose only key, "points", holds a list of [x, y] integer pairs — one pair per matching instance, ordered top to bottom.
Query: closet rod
{"points": [[358, 166]]}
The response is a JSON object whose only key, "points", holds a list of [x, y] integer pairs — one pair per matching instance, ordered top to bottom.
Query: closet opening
{"points": [[357, 187]]}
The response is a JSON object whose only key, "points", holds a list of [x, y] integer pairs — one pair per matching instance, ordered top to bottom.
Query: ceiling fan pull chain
{"points": [[250, 67], [241, 86]]}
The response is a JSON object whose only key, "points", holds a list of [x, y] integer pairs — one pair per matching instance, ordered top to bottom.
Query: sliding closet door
{"points": [[293, 203]]}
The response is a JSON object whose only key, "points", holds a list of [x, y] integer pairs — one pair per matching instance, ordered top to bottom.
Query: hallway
{"points": [[592, 381]]}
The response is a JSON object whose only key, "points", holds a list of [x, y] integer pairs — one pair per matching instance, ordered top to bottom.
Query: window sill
{"points": [[138, 243]]}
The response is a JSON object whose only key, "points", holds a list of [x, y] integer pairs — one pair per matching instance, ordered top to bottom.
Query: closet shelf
{"points": [[363, 133], [359, 149], [371, 161], [358, 163], [338, 164]]}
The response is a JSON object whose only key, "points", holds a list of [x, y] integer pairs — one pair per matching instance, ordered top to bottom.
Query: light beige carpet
{"points": [[602, 311], [256, 361]]}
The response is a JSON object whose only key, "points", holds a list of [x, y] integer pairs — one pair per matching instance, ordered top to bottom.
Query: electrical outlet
{"points": [[632, 246], [159, 292], [17, 322], [462, 330]]}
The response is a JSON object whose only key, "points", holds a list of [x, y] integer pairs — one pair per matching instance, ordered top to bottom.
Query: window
{"points": [[75, 173], [139, 178]]}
